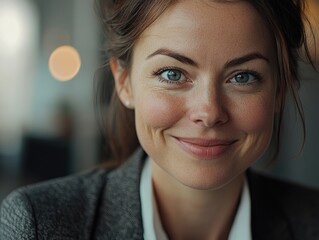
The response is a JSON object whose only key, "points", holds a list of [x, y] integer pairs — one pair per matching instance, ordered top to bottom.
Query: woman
{"points": [[198, 86]]}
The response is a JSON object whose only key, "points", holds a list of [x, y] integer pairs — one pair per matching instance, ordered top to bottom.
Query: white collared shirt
{"points": [[152, 225]]}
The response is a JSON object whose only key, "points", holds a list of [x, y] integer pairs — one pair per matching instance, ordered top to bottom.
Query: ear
{"points": [[122, 83]]}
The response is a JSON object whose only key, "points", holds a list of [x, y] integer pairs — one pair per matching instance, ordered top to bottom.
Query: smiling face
{"points": [[203, 89]]}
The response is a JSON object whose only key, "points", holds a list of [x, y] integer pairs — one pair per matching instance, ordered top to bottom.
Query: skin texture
{"points": [[203, 131]]}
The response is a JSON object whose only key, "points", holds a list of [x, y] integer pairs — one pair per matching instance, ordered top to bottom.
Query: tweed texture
{"points": [[102, 204]]}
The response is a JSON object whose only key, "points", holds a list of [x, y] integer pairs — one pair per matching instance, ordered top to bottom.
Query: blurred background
{"points": [[49, 53], [47, 121]]}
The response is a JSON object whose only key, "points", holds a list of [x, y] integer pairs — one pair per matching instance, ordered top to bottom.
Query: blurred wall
{"points": [[70, 22], [18, 63], [31, 100]]}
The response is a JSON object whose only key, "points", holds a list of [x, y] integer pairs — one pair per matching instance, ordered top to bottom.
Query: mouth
{"points": [[204, 149]]}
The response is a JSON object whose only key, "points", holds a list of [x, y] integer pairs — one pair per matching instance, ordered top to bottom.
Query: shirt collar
{"points": [[150, 220], [241, 228]]}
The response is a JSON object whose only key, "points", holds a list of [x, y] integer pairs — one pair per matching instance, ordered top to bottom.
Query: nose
{"points": [[208, 108]]}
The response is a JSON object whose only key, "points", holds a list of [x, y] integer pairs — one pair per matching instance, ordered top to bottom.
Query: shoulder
{"points": [[288, 192], [65, 200], [95, 203], [292, 203]]}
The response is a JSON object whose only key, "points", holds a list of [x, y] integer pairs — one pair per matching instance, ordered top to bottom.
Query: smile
{"points": [[204, 149]]}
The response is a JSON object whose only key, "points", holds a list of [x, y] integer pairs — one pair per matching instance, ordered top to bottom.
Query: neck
{"points": [[188, 213]]}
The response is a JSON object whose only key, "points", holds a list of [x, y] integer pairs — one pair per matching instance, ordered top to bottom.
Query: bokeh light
{"points": [[17, 25], [64, 63]]}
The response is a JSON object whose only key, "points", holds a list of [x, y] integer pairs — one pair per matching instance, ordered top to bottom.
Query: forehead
{"points": [[214, 11], [209, 25]]}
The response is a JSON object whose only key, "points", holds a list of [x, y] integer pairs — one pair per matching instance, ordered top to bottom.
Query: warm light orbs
{"points": [[64, 63]]}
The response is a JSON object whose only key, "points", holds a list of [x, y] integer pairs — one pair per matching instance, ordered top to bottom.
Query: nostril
{"points": [[209, 116]]}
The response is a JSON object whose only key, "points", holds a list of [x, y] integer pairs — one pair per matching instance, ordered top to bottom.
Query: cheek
{"points": [[158, 111], [256, 115], [255, 119]]}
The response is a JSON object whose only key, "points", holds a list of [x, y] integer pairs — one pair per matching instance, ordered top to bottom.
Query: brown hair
{"points": [[286, 19], [123, 22]]}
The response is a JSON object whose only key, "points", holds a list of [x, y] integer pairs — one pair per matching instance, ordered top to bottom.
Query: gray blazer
{"points": [[103, 204]]}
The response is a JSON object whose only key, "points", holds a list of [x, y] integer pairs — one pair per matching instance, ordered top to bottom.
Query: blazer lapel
{"points": [[120, 213], [268, 220]]}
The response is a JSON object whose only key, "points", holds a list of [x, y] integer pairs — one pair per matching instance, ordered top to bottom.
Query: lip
{"points": [[204, 149]]}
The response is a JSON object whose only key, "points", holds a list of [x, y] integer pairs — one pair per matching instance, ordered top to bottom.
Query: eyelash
{"points": [[158, 73], [257, 76]]}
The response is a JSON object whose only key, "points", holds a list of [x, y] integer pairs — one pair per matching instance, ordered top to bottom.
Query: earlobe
{"points": [[122, 82]]}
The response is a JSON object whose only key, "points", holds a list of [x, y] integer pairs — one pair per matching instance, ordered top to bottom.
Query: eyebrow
{"points": [[175, 55], [245, 58], [231, 63]]}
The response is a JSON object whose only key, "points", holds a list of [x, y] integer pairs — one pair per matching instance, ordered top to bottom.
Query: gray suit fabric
{"points": [[105, 204]]}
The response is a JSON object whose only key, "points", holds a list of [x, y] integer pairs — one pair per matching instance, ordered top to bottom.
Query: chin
{"points": [[210, 182]]}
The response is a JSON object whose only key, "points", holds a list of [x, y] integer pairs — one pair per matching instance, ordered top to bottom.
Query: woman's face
{"points": [[203, 89]]}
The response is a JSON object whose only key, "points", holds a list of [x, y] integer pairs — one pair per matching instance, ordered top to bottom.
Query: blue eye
{"points": [[172, 75], [245, 78]]}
